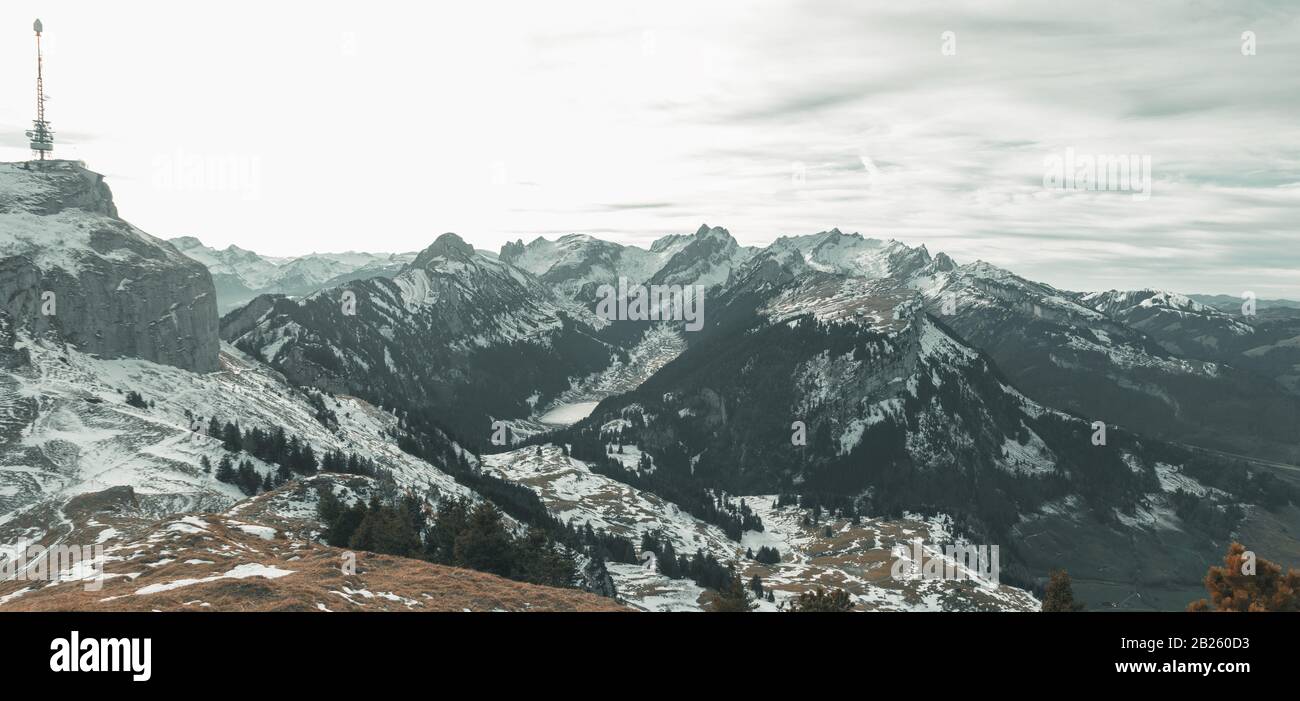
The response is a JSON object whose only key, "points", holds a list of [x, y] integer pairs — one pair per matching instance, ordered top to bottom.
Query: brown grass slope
{"points": [[210, 562]]}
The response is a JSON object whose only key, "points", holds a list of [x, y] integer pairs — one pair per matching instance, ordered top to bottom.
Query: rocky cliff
{"points": [[70, 266]]}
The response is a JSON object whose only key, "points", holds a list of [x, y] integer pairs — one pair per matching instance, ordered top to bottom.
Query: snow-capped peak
{"points": [[448, 246], [1112, 301]]}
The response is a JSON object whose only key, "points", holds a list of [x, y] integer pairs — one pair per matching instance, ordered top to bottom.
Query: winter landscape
{"points": [[845, 408], [469, 410]]}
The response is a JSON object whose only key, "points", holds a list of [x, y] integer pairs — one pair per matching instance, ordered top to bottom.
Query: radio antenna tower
{"points": [[41, 136]]}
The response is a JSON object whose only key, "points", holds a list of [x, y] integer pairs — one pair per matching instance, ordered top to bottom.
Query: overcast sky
{"points": [[290, 127]]}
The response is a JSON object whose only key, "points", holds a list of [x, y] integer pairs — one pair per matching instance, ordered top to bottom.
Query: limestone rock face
{"points": [[70, 266]]}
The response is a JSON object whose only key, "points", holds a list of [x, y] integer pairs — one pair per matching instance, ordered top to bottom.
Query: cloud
{"points": [[511, 120]]}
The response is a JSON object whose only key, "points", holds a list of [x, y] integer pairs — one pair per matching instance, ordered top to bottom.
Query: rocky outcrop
{"points": [[71, 267]]}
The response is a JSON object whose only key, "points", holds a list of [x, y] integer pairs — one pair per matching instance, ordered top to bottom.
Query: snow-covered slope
{"points": [[852, 254], [708, 258], [574, 265], [1180, 324], [1132, 364], [67, 430], [857, 557]]}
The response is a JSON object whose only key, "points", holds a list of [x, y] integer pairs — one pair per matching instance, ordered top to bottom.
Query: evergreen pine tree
{"points": [[231, 439], [308, 465], [226, 470], [247, 478], [328, 506], [450, 521], [385, 530], [340, 534], [485, 543], [541, 561], [668, 562], [1060, 593], [732, 596]]}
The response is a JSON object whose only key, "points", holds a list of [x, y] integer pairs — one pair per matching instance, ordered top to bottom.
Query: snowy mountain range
{"points": [[575, 265], [240, 275], [844, 397]]}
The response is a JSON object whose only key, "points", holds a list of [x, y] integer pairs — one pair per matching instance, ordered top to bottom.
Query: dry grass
{"points": [[156, 555]]}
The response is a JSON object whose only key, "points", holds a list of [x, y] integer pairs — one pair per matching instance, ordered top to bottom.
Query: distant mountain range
{"points": [[240, 275], [1228, 303], [929, 342], [842, 395]]}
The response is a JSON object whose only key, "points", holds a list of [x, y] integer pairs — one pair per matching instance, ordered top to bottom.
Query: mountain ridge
{"points": [[240, 275]]}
